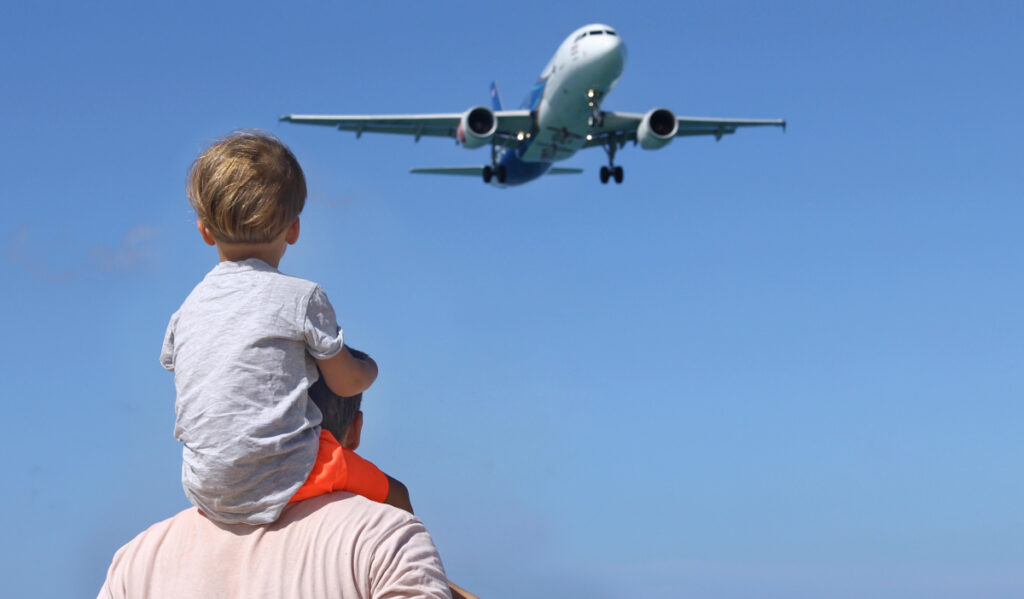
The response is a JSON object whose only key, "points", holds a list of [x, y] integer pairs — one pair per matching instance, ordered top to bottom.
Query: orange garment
{"points": [[338, 468]]}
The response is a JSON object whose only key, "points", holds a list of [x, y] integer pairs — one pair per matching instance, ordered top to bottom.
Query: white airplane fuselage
{"points": [[586, 66], [562, 114]]}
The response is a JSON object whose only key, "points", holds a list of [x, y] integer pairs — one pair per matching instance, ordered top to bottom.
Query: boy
{"points": [[246, 344]]}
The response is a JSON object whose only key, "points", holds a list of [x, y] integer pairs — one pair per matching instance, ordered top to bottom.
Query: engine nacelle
{"points": [[476, 127], [657, 128]]}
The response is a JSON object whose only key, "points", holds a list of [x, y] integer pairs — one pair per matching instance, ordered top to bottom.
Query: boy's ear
{"points": [[293, 233], [207, 236], [354, 432]]}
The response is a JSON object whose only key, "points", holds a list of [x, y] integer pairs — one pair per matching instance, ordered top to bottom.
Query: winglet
{"points": [[495, 97]]}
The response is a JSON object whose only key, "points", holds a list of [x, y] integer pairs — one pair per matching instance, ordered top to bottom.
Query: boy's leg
{"points": [[340, 469], [398, 495]]}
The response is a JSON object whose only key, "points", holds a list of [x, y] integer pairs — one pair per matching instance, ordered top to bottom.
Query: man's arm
{"points": [[348, 372], [459, 592]]}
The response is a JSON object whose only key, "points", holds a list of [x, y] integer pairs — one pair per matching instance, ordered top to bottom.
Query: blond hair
{"points": [[247, 187]]}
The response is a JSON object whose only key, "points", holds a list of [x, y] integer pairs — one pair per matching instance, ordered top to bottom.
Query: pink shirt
{"points": [[337, 545]]}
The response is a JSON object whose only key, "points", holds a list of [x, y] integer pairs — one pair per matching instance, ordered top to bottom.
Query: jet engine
{"points": [[476, 127], [657, 128]]}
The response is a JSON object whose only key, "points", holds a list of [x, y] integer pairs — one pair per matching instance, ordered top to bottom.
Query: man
{"points": [[336, 545]]}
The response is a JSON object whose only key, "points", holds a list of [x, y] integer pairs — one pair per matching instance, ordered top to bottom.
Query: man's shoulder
{"points": [[342, 507], [353, 520], [158, 531], [140, 550]]}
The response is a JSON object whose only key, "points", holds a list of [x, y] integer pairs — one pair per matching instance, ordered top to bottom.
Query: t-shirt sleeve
{"points": [[324, 338], [167, 352], [406, 565], [115, 586]]}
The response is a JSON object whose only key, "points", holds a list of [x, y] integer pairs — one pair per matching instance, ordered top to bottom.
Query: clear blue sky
{"points": [[781, 365]]}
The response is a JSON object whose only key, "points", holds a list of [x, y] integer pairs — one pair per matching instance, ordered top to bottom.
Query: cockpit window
{"points": [[598, 32], [610, 32], [580, 36]]}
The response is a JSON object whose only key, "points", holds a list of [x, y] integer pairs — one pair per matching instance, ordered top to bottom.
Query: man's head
{"points": [[247, 188], [341, 415]]}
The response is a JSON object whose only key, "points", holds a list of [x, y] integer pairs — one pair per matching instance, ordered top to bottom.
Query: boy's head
{"points": [[246, 188]]}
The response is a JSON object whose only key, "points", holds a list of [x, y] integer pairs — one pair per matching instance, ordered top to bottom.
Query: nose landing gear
{"points": [[596, 118]]}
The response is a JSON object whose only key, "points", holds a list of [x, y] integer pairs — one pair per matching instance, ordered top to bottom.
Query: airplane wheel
{"points": [[488, 173], [501, 174], [604, 174], [618, 174]]}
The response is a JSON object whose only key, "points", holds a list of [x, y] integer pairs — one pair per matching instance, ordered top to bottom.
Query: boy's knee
{"points": [[398, 495]]}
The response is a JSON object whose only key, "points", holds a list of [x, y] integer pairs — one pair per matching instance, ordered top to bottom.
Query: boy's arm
{"points": [[348, 372]]}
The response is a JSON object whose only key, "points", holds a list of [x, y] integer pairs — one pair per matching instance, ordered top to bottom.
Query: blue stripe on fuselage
{"points": [[517, 171]]}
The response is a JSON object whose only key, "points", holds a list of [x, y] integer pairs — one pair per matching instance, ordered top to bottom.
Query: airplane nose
{"points": [[611, 55]]}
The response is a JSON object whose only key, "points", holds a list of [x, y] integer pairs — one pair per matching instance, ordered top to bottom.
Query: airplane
{"points": [[561, 115]]}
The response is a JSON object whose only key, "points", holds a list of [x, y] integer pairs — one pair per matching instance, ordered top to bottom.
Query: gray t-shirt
{"points": [[242, 348]]}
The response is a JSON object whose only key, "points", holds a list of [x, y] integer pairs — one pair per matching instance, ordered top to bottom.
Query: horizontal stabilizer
{"points": [[474, 171], [478, 171]]}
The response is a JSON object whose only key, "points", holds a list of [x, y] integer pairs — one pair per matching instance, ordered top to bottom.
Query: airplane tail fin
{"points": [[495, 97]]}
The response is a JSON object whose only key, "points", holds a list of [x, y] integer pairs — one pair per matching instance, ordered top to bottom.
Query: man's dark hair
{"points": [[339, 412]]}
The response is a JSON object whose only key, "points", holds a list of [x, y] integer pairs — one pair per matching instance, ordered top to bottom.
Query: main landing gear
{"points": [[494, 169], [611, 171], [494, 172]]}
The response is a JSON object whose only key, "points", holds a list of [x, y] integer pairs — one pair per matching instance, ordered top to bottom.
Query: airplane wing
{"points": [[510, 124], [622, 126], [477, 171]]}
